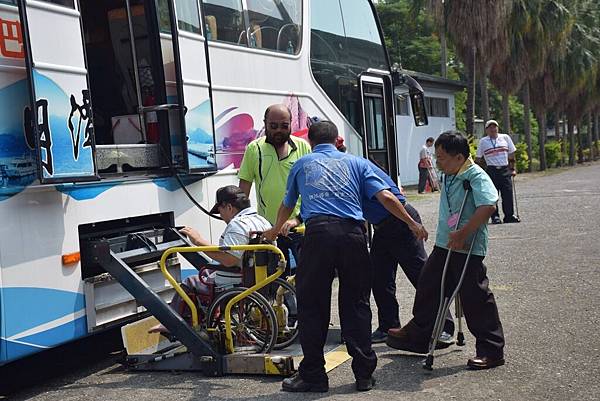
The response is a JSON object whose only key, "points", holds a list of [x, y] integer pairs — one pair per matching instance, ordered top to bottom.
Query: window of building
{"points": [[223, 21], [275, 24], [402, 106], [437, 107]]}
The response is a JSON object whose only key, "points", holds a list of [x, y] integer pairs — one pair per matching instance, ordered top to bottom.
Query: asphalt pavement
{"points": [[545, 274]]}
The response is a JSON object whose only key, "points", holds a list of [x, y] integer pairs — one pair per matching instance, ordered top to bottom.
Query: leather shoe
{"points": [[512, 219], [496, 220], [399, 338], [484, 362], [296, 384], [365, 384]]}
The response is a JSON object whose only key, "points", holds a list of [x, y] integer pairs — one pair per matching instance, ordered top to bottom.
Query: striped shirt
{"points": [[495, 150], [237, 232]]}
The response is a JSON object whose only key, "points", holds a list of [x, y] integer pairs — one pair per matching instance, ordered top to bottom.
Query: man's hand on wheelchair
{"points": [[288, 225], [271, 234]]}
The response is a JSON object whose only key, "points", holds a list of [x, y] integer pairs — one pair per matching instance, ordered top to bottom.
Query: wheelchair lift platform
{"points": [[121, 251], [155, 352]]}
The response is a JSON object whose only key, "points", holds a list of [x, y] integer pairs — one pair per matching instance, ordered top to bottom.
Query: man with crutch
{"points": [[480, 310]]}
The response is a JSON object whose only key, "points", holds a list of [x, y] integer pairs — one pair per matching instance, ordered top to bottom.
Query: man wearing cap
{"points": [[498, 152], [267, 162], [332, 185], [234, 207]]}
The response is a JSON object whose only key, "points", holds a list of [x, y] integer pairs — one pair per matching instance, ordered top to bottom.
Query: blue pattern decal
{"points": [[201, 153], [65, 160], [17, 161], [171, 184], [85, 191], [28, 307]]}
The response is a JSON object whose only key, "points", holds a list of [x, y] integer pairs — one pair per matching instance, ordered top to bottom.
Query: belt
{"points": [[498, 167], [325, 217]]}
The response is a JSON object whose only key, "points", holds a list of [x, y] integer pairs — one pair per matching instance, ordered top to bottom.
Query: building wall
{"points": [[410, 138]]}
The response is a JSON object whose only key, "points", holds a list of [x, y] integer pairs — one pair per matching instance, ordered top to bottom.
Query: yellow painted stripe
{"points": [[333, 358]]}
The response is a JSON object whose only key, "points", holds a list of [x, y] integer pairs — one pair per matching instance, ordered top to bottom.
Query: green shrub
{"points": [[553, 153], [586, 154], [521, 157]]}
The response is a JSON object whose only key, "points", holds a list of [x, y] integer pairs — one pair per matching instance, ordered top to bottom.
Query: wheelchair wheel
{"points": [[286, 314], [253, 321]]}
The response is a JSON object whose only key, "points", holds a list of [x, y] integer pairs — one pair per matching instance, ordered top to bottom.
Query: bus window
{"points": [[9, 2], [66, 3], [188, 18], [223, 21], [275, 24], [345, 42], [364, 46]]}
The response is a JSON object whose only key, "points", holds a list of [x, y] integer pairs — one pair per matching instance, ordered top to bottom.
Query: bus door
{"points": [[149, 85], [187, 99], [58, 123], [378, 124]]}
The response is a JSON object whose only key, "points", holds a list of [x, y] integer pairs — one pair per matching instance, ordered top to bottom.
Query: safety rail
{"points": [[259, 284]]}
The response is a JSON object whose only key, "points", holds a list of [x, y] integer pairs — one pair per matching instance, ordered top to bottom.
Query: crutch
{"points": [[515, 196], [445, 301]]}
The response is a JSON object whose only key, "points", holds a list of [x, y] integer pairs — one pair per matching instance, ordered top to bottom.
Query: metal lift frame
{"points": [[196, 351]]}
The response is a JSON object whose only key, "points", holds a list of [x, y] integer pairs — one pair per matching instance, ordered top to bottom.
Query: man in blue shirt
{"points": [[332, 185], [395, 243], [479, 305]]}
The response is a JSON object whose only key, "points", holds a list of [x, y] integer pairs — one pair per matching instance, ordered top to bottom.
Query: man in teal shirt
{"points": [[481, 313]]}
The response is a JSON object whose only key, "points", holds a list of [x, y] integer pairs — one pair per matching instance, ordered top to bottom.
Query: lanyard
{"points": [[493, 142], [446, 188]]}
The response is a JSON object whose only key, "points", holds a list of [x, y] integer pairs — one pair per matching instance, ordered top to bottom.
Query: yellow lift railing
{"points": [[262, 279]]}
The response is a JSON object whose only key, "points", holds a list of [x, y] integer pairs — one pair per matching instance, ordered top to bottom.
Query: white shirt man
{"points": [[498, 150]]}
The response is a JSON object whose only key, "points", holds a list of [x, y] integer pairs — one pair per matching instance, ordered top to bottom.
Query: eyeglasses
{"points": [[273, 125]]}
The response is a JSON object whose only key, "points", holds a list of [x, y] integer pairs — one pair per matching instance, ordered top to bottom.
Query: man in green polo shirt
{"points": [[267, 163]]}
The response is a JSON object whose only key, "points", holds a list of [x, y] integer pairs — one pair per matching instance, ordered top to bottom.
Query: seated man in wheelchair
{"points": [[233, 205]]}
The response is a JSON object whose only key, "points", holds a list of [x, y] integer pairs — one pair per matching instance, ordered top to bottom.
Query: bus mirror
{"points": [[416, 94], [417, 102]]}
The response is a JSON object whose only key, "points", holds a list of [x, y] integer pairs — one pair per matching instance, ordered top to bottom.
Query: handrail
{"points": [[243, 294]]}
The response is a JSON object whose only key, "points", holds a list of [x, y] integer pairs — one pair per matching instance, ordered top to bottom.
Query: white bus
{"points": [[108, 108]]}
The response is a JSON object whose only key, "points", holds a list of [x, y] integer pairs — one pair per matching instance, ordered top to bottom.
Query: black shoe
{"points": [[512, 219], [496, 220], [378, 336], [479, 363], [296, 384], [365, 384]]}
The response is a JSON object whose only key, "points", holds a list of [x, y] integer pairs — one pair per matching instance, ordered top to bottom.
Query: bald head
{"points": [[280, 109]]}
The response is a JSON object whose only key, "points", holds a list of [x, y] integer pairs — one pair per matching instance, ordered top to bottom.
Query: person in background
{"points": [[498, 152], [425, 163]]}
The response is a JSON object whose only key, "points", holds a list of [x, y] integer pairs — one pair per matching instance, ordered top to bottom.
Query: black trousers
{"points": [[423, 177], [501, 177], [331, 243], [290, 244], [394, 244], [479, 305]]}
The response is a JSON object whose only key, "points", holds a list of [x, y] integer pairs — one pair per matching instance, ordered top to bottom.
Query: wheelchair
{"points": [[260, 312]]}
